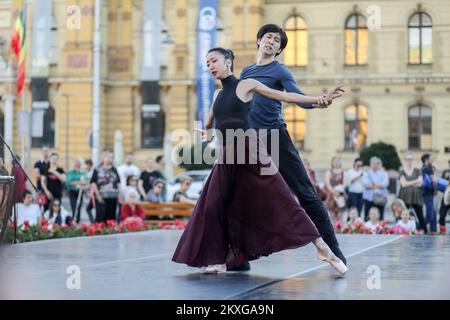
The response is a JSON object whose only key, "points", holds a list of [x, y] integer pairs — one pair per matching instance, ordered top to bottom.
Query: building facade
{"points": [[393, 59]]}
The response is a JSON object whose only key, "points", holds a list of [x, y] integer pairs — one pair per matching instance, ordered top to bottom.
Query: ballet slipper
{"points": [[324, 253]]}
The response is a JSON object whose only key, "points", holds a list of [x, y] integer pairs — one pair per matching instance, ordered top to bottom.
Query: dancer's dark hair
{"points": [[273, 28], [227, 53]]}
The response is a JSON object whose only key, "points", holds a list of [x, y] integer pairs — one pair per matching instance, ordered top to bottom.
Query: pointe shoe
{"points": [[324, 253], [215, 268]]}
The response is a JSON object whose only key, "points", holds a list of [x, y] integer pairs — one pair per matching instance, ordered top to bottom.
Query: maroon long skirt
{"points": [[243, 214]]}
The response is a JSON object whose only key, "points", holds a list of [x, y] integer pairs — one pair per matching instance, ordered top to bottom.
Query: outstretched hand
{"points": [[330, 96]]}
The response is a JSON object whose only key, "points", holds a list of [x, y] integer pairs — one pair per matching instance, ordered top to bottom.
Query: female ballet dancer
{"points": [[242, 214]]}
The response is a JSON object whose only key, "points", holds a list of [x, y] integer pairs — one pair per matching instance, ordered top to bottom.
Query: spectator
{"points": [[161, 165], [41, 166], [128, 168], [3, 171], [89, 171], [19, 176], [148, 176], [312, 177], [53, 179], [76, 179], [353, 180], [375, 182], [105, 183], [131, 186], [334, 186], [410, 189], [428, 190], [155, 194], [181, 195], [397, 207], [131, 208], [444, 208], [27, 210], [56, 214], [374, 219], [354, 220], [406, 223]]}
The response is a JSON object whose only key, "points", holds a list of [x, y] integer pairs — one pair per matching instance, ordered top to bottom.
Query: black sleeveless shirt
{"points": [[230, 112]]}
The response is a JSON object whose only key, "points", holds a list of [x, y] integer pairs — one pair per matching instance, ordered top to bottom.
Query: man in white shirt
{"points": [[128, 169], [353, 180], [27, 210]]}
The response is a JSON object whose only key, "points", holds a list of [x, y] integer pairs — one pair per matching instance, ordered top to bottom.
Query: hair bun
{"points": [[231, 53]]}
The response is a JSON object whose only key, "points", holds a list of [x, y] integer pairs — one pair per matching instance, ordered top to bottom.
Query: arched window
{"points": [[420, 28], [356, 40], [296, 53], [295, 118], [355, 127], [419, 127], [48, 138]]}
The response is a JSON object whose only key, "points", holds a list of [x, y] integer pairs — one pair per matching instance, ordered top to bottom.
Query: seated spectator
{"points": [[131, 186], [155, 193], [181, 195], [397, 207], [131, 208], [27, 210], [56, 214], [374, 219], [354, 220], [406, 222]]}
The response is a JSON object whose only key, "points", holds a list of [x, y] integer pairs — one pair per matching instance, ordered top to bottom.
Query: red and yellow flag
{"points": [[18, 45]]}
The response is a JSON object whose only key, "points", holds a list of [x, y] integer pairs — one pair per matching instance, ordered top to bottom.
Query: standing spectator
{"points": [[41, 166], [128, 168], [161, 169], [3, 171], [89, 171], [19, 176], [148, 176], [312, 177], [53, 179], [76, 179], [353, 180], [375, 182], [105, 183], [334, 185], [131, 186], [410, 189], [428, 190], [155, 194], [181, 195], [131, 208], [444, 208], [27, 210], [56, 214], [373, 223], [406, 223]]}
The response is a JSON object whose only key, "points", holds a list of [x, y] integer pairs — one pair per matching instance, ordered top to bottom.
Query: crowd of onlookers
{"points": [[104, 192], [363, 194], [353, 197]]}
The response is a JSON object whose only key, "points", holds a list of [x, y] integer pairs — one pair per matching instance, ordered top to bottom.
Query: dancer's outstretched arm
{"points": [[247, 88]]}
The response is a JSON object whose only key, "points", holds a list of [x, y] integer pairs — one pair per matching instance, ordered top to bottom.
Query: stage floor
{"points": [[139, 266]]}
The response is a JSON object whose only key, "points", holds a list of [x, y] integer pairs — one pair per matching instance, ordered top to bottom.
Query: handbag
{"points": [[378, 199]]}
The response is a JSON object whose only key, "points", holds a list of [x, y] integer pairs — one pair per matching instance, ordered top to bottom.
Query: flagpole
{"points": [[24, 5]]}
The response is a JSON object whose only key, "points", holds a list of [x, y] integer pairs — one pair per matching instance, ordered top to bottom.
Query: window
{"points": [[420, 39], [356, 40], [296, 53], [295, 118], [152, 126], [355, 127], [419, 127], [48, 138]]}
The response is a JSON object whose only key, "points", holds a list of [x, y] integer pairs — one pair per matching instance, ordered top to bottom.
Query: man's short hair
{"points": [[268, 28], [425, 157]]}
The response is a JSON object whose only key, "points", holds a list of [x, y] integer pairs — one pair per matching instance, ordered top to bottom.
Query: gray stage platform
{"points": [[138, 266]]}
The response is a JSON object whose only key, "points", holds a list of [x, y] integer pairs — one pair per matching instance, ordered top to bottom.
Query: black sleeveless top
{"points": [[230, 112]]}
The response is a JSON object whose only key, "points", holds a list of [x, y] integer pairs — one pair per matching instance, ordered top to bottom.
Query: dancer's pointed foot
{"points": [[324, 253], [215, 268]]}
